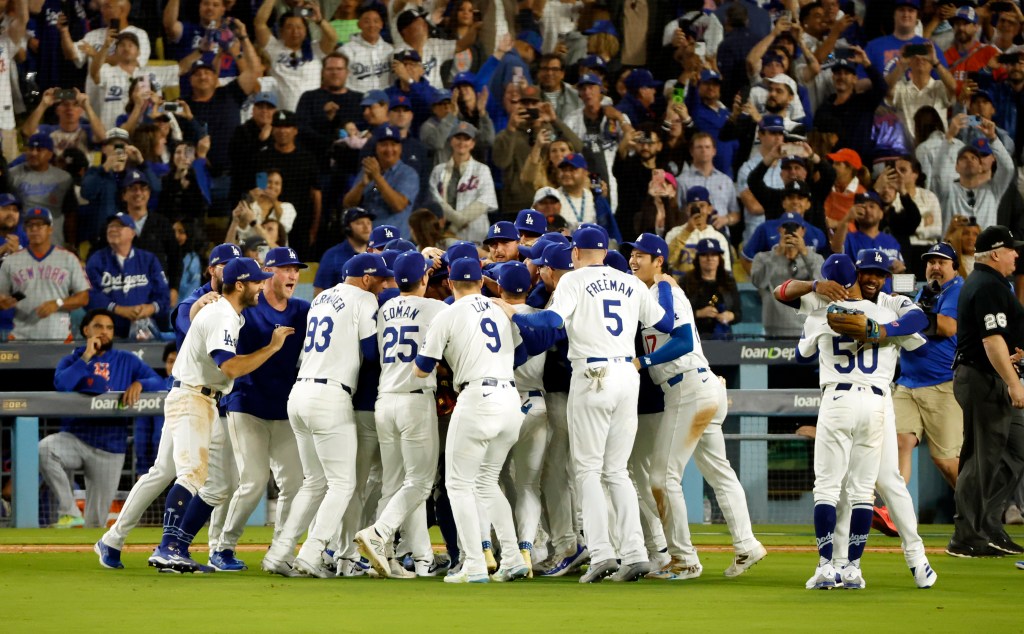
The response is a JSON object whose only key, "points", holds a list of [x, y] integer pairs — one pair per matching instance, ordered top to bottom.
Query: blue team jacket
{"points": [[140, 281], [114, 370]]}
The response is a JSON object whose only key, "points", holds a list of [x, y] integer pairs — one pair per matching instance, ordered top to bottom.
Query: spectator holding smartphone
{"points": [[207, 40], [295, 60], [112, 80], [910, 94], [69, 105], [101, 185], [186, 187], [790, 258]]}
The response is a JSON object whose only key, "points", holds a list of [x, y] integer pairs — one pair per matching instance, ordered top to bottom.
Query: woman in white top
{"points": [[295, 60], [930, 229]]}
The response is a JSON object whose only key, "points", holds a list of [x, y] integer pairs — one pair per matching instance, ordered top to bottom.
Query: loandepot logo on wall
{"points": [[768, 353], [103, 404]]}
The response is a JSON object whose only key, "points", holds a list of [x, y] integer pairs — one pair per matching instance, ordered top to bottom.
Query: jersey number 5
{"points": [[609, 304], [323, 327], [489, 328], [394, 337], [854, 358]]}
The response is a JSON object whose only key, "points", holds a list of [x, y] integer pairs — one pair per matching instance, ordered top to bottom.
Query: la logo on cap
{"points": [[529, 219], [497, 229], [389, 233], [235, 250], [291, 254], [878, 257]]}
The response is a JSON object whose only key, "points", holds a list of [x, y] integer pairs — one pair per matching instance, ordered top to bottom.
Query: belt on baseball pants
{"points": [[609, 359], [677, 379], [329, 382], [485, 383], [846, 387], [205, 391], [533, 393]]}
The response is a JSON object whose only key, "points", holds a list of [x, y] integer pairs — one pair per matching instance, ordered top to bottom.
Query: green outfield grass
{"points": [[68, 591]]}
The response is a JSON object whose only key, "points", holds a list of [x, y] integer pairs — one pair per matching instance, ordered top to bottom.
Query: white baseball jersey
{"points": [[369, 64], [8, 73], [294, 75], [113, 92], [57, 275], [812, 304], [601, 307], [339, 318], [402, 324], [215, 327], [476, 338], [653, 339], [844, 360], [530, 375]]}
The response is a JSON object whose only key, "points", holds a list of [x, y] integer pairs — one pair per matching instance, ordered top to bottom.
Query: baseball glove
{"points": [[853, 323]]}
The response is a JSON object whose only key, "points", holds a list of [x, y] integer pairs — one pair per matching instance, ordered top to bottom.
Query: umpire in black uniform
{"points": [[990, 333]]}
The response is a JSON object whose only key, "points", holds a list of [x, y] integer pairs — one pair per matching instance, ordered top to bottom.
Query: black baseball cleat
{"points": [[1005, 544], [960, 549]]}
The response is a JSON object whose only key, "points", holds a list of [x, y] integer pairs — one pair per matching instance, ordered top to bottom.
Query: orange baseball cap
{"points": [[847, 155]]}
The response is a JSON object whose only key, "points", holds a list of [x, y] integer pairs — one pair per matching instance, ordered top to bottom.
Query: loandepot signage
{"points": [[768, 353]]}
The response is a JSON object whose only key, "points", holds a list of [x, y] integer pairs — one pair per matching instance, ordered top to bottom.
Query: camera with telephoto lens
{"points": [[927, 302]]}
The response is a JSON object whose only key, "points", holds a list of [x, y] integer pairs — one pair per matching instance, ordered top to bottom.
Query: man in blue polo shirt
{"points": [[883, 50], [385, 186], [796, 200], [867, 218], [358, 224], [127, 281], [923, 399], [95, 445]]}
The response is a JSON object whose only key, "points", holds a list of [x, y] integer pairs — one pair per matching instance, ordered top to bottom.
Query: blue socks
{"points": [[174, 513], [196, 515], [824, 525], [860, 526]]}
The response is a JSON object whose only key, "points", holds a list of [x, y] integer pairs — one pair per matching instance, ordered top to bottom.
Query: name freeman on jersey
{"points": [[597, 286]]}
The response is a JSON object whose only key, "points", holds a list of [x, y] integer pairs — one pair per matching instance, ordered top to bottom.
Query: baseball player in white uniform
{"points": [[872, 269], [599, 307], [341, 322], [479, 343], [205, 369], [695, 408], [406, 420], [527, 455]]}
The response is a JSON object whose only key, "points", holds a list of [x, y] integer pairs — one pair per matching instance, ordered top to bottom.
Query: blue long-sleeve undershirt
{"points": [[665, 301], [912, 322], [679, 343], [368, 347], [426, 364]]}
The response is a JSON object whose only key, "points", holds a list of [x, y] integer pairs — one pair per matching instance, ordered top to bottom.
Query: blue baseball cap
{"points": [[908, 3], [967, 14], [602, 26], [532, 38], [408, 55], [769, 57], [594, 61], [845, 64], [710, 75], [641, 78], [464, 79], [589, 79], [981, 94], [439, 95], [265, 97], [374, 97], [399, 101], [771, 123], [464, 128], [387, 132], [40, 140], [979, 146], [574, 159], [134, 177], [698, 194], [869, 196], [11, 199], [38, 213], [355, 213], [790, 218], [125, 220], [531, 221], [594, 225], [502, 230], [381, 235], [589, 238], [650, 244], [400, 245], [707, 246], [460, 250], [942, 250], [536, 252], [223, 253], [390, 255], [283, 256], [556, 256], [873, 259], [617, 261], [367, 264], [410, 266], [839, 268], [244, 270], [465, 270], [514, 277], [92, 384]]}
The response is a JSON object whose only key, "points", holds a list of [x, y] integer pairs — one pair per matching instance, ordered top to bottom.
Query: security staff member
{"points": [[990, 333]]}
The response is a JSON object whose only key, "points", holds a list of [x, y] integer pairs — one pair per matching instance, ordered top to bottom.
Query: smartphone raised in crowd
{"points": [[261, 180]]}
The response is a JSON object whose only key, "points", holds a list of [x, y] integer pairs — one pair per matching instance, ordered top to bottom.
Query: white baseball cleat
{"points": [[372, 546], [659, 560], [745, 561], [279, 568], [312, 568], [349, 568], [599, 570], [398, 572], [631, 572], [688, 572], [510, 574], [463, 576], [924, 576], [825, 577], [853, 578]]}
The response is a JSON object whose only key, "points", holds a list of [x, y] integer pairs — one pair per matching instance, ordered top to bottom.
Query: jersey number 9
{"points": [[489, 328]]}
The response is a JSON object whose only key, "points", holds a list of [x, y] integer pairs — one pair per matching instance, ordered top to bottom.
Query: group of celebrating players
{"points": [[546, 361]]}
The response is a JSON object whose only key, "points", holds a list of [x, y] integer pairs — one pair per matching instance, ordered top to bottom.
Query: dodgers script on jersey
{"points": [[601, 307], [343, 314], [402, 324], [215, 327], [476, 338], [653, 339], [844, 360], [530, 375]]}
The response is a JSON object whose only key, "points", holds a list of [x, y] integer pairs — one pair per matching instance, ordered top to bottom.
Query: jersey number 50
{"points": [[323, 327], [858, 358]]}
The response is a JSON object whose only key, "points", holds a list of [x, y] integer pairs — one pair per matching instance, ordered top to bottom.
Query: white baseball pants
{"points": [[848, 444], [63, 453], [527, 458], [640, 472], [558, 477], [221, 482], [363, 506]]}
